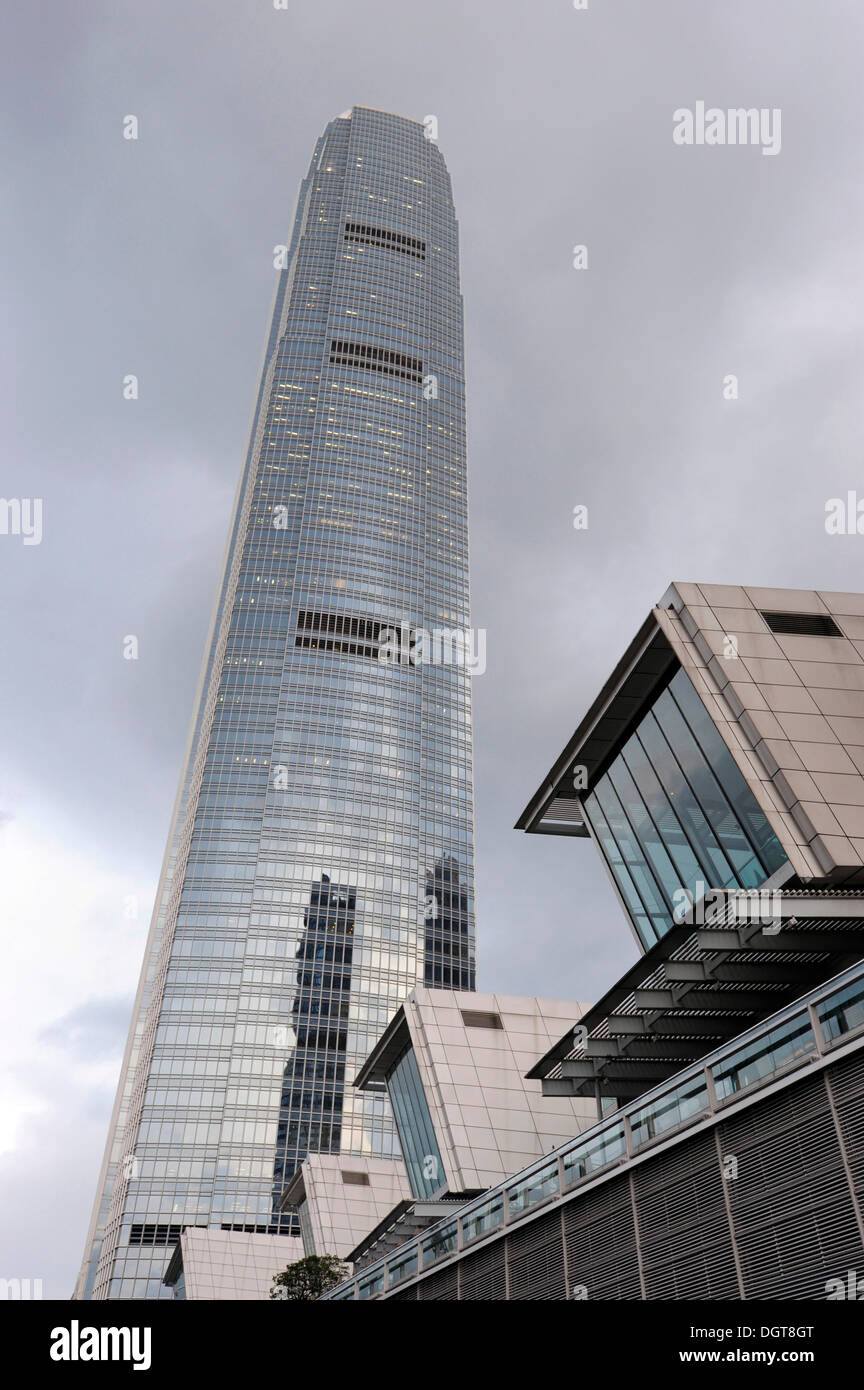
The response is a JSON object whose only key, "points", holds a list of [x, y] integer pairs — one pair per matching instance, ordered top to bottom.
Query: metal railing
{"points": [[802, 1032]]}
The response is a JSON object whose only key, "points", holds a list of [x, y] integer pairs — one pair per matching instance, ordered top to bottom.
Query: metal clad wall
{"points": [[846, 1083], [791, 1205], [795, 1224], [684, 1234], [601, 1242], [535, 1255], [482, 1275], [441, 1287]]}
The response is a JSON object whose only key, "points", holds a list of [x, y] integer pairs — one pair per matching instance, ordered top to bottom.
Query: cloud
{"points": [[601, 387], [92, 1032]]}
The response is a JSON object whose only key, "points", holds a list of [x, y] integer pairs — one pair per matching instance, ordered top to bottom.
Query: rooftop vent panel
{"points": [[802, 624], [475, 1019]]}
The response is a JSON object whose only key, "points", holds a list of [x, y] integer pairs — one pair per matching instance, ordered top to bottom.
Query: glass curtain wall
{"points": [[673, 811]]}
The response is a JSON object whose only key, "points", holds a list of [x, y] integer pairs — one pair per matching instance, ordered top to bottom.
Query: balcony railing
{"points": [[805, 1031]]}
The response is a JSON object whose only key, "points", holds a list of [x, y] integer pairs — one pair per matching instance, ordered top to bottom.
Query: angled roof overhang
{"points": [[554, 809], [736, 958], [372, 1076], [295, 1192], [175, 1265]]}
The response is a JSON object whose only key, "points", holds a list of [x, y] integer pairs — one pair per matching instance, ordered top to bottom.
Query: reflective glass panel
{"points": [[673, 811], [842, 1012], [757, 1060], [669, 1111], [414, 1122], [594, 1154], [536, 1188], [487, 1217], [440, 1242]]}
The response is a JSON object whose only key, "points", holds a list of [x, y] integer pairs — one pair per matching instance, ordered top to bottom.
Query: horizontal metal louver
{"points": [[364, 234], [376, 359], [802, 624], [339, 632], [847, 1088], [794, 1222], [685, 1223], [684, 1234], [155, 1235], [601, 1243], [535, 1261], [482, 1274], [440, 1287]]}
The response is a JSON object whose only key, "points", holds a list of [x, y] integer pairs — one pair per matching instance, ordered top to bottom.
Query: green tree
{"points": [[307, 1279]]}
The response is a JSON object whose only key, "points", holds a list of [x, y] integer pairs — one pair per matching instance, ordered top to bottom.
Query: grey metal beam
{"points": [[742, 939], [731, 971], [731, 1001], [718, 1026], [643, 1046], [627, 1068], [620, 1090]]}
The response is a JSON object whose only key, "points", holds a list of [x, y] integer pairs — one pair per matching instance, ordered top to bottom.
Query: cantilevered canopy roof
{"points": [[554, 809], [712, 976], [372, 1076]]}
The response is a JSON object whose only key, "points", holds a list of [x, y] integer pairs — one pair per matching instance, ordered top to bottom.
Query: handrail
{"points": [[804, 1007]]}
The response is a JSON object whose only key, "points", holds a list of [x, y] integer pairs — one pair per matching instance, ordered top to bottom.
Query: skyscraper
{"points": [[319, 863]]}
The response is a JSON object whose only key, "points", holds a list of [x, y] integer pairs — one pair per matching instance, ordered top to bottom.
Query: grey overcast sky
{"points": [[602, 387]]}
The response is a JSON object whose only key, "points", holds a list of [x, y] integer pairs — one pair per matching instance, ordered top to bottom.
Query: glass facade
{"points": [[673, 811], [320, 860], [843, 1012], [773, 1050], [763, 1057], [672, 1109], [419, 1146], [609, 1147], [536, 1188], [482, 1219], [443, 1241]]}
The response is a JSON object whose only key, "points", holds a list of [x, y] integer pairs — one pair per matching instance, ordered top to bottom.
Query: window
{"points": [[673, 811], [842, 1012], [757, 1060], [671, 1110], [414, 1123], [594, 1154], [534, 1189], [487, 1217], [441, 1242], [403, 1266], [371, 1285]]}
